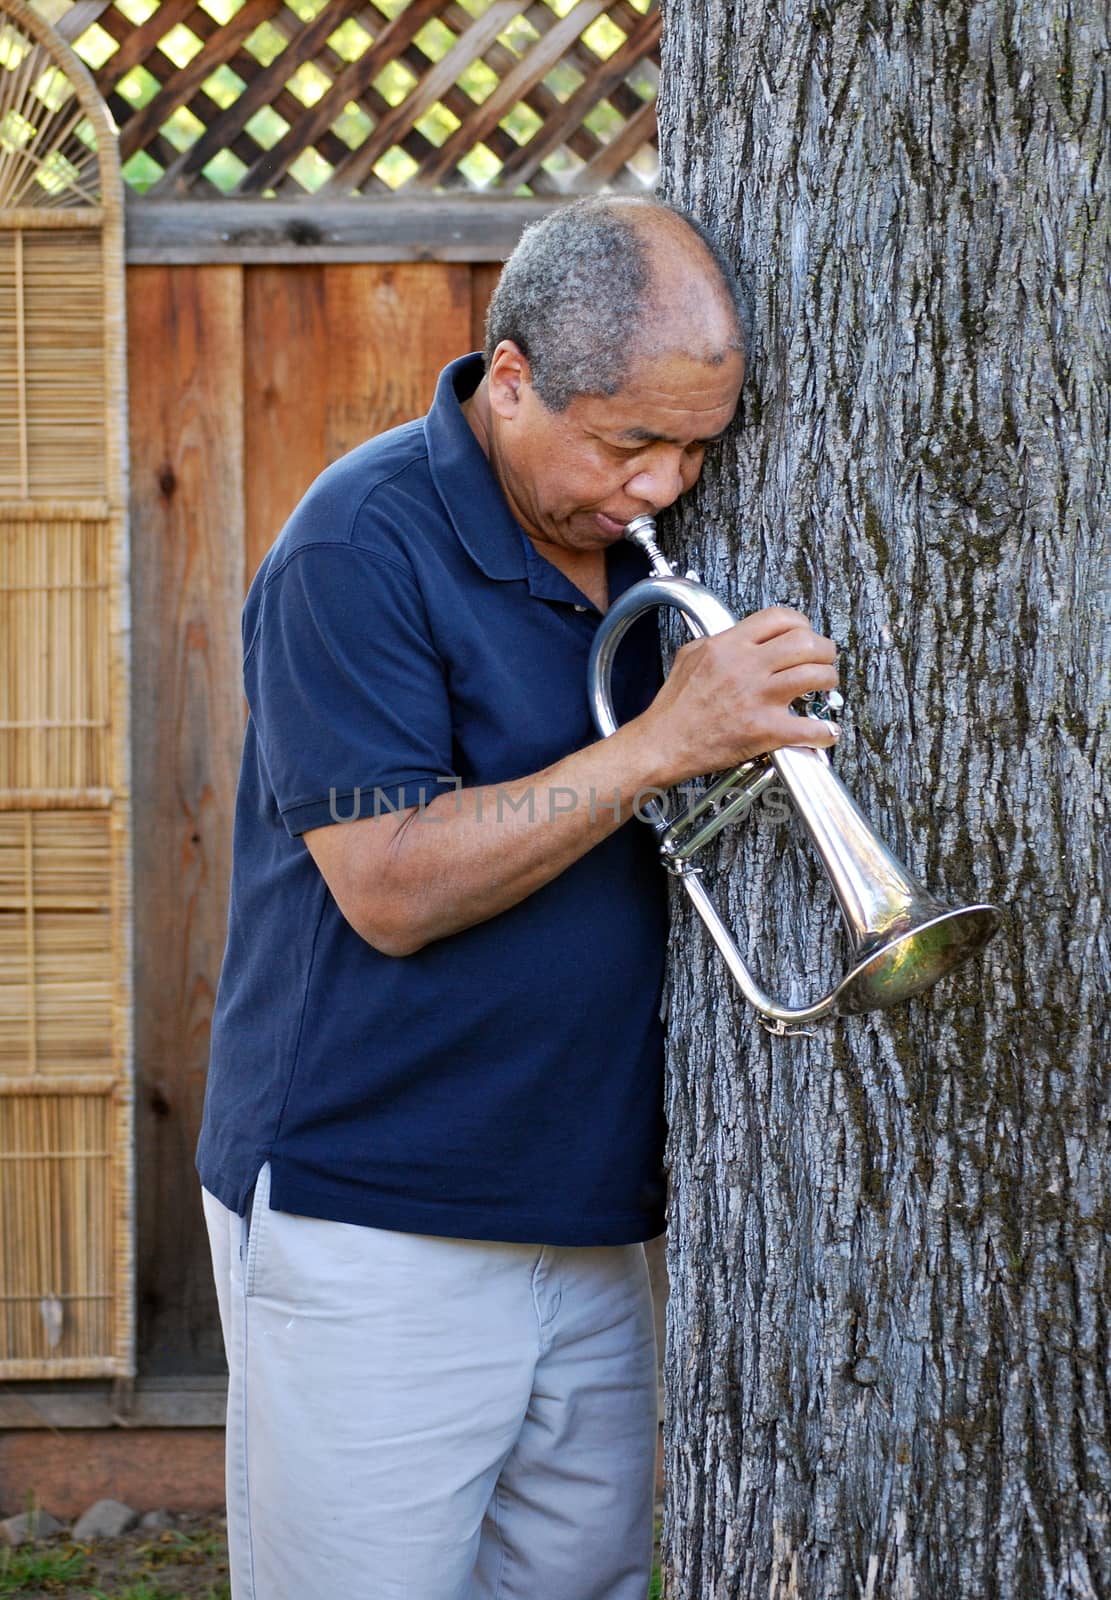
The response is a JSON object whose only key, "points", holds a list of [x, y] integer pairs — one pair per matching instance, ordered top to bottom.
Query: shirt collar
{"points": [[465, 479]]}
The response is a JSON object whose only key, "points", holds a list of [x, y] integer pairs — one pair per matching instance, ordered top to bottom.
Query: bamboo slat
{"points": [[41, 220], [64, 296], [52, 395], [54, 510], [55, 646], [55, 799], [66, 855], [65, 998], [62, 1083], [57, 1268]]}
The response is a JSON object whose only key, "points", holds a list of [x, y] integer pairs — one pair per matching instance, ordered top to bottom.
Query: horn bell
{"points": [[902, 937]]}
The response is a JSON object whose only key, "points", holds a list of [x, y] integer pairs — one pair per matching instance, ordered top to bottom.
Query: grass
{"points": [[173, 1566], [48, 1568]]}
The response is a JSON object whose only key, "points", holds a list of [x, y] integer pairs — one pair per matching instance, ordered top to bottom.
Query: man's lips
{"points": [[608, 525]]}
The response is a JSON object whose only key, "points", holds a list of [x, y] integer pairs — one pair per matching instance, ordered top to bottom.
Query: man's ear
{"points": [[507, 378]]}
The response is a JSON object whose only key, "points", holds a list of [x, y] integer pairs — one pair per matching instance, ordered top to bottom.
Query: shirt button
{"points": [[580, 608]]}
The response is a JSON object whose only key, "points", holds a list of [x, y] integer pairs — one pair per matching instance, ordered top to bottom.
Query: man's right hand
{"points": [[727, 697]]}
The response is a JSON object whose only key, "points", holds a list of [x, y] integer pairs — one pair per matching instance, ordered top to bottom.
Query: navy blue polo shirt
{"points": [[403, 638]]}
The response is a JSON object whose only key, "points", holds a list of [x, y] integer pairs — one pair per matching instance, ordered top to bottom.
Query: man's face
{"points": [[574, 478]]}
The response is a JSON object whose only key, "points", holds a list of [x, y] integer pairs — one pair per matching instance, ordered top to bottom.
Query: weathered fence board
{"points": [[453, 228], [483, 280], [391, 329], [334, 355], [286, 395], [187, 520]]}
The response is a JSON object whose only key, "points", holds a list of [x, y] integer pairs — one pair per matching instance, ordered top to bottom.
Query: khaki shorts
{"points": [[415, 1418]]}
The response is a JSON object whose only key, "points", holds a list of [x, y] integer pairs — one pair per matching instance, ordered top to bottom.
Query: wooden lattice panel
{"points": [[342, 97], [65, 983]]}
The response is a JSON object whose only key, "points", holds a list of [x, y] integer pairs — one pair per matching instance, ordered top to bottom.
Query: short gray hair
{"points": [[572, 297]]}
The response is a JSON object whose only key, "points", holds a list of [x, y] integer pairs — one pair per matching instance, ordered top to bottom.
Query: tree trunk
{"points": [[890, 1322]]}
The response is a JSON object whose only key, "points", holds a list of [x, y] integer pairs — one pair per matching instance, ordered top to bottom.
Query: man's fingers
{"points": [[770, 623], [782, 643], [794, 681], [730, 694], [813, 732]]}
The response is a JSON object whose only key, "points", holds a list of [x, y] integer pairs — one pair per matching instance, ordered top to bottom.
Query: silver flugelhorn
{"points": [[903, 939]]}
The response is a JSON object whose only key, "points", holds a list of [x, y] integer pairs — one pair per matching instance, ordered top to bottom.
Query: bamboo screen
{"points": [[372, 97], [65, 1113]]}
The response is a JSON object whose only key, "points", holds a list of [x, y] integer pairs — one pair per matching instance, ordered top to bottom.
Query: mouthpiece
{"points": [[642, 531]]}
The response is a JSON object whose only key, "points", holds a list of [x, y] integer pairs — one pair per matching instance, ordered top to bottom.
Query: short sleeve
{"points": [[346, 689]]}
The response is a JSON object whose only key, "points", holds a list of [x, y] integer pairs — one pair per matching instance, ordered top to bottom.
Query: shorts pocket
{"points": [[260, 1212]]}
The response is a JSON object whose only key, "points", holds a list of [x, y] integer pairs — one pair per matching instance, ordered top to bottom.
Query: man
{"points": [[433, 1143]]}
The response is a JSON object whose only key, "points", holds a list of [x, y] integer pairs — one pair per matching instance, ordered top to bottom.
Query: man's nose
{"points": [[659, 481]]}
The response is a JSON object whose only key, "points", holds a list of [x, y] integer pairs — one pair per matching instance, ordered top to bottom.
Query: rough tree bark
{"points": [[890, 1323]]}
